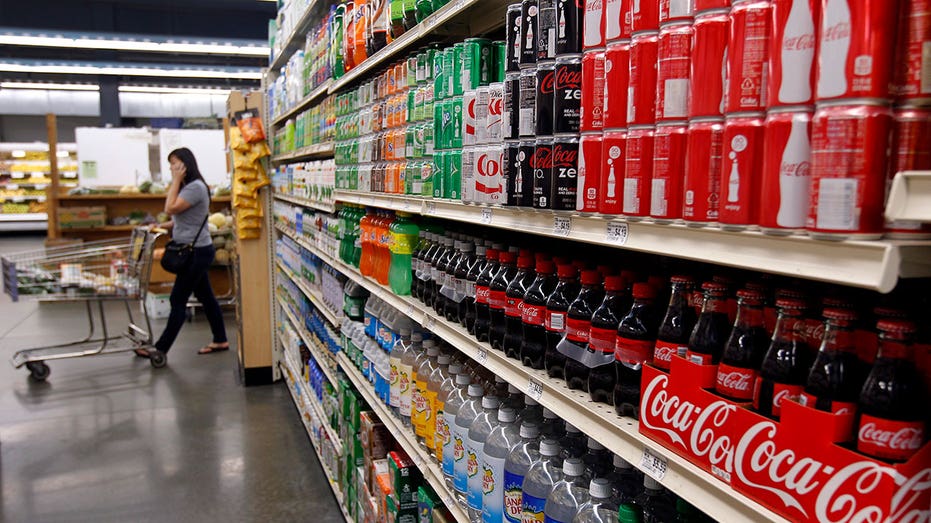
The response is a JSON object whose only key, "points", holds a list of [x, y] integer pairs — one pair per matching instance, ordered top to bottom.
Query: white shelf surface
{"points": [[303, 104], [319, 150], [910, 196], [304, 202], [876, 265], [334, 317], [323, 358], [619, 434], [405, 437]]}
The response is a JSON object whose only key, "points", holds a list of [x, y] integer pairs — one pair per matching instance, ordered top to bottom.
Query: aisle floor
{"points": [[108, 438]]}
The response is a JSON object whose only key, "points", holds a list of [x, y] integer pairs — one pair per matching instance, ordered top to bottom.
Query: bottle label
{"points": [[402, 244], [482, 294], [497, 300], [513, 306], [533, 314], [555, 321], [578, 330], [602, 340], [664, 351], [633, 353], [699, 358], [735, 382], [394, 383], [404, 387], [782, 392], [837, 407], [420, 408], [429, 422], [441, 431], [888, 439], [449, 446], [473, 451], [460, 473], [492, 480], [513, 499], [532, 509]]}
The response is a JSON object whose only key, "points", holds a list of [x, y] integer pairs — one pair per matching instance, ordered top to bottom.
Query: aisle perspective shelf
{"points": [[304, 103], [320, 150], [320, 206], [876, 265], [334, 317], [311, 341], [620, 435]]}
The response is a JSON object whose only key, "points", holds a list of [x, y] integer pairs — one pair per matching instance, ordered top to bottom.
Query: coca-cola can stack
{"points": [[592, 106]]}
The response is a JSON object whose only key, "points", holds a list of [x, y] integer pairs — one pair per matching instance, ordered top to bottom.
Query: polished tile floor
{"points": [[110, 439]]}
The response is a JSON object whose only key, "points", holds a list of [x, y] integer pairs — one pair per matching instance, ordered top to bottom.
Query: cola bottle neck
{"points": [[679, 299], [713, 304], [749, 315], [786, 326], [838, 338], [890, 349]]}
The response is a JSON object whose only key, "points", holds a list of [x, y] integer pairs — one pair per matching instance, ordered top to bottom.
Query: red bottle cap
{"points": [[525, 253], [492, 254], [541, 256], [508, 257], [560, 260], [525, 262], [579, 264], [545, 267], [566, 271], [591, 277], [680, 279], [657, 282], [614, 283], [756, 286], [714, 288], [643, 291], [750, 294], [833, 302], [790, 304], [889, 312], [838, 314], [899, 327]]}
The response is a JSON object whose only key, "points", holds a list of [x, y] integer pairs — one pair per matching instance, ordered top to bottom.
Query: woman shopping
{"points": [[188, 204]]}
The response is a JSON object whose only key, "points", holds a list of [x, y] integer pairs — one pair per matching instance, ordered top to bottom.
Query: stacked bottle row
{"points": [[307, 69], [313, 126], [313, 181], [317, 228]]}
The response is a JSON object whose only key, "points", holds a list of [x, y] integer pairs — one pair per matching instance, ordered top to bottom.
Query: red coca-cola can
{"points": [[708, 5], [675, 10], [644, 16], [593, 25], [615, 26], [856, 41], [709, 52], [747, 56], [913, 58], [672, 71], [791, 78], [617, 79], [593, 91], [641, 96], [613, 149], [669, 150], [911, 151], [849, 158], [741, 170], [786, 170], [638, 171], [589, 180], [702, 185]]}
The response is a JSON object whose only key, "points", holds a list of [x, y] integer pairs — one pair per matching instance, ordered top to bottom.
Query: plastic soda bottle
{"points": [[404, 237], [453, 402], [464, 418], [484, 423], [498, 446], [516, 466], [539, 481], [568, 495], [599, 508]]}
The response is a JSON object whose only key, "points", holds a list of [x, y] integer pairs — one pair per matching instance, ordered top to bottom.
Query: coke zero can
{"points": [[675, 10], [644, 15], [614, 23], [594, 25], [568, 27], [513, 28], [546, 30], [528, 33], [855, 45], [747, 56], [913, 59], [709, 62], [673, 70], [617, 75], [791, 78], [593, 89], [567, 96], [641, 96], [545, 98], [527, 102], [510, 113], [494, 115], [469, 132], [614, 146], [669, 148], [911, 151], [849, 158], [542, 164], [510, 167], [741, 170], [786, 170], [565, 171], [638, 171], [467, 175], [488, 176], [524, 177], [589, 178], [702, 185]]}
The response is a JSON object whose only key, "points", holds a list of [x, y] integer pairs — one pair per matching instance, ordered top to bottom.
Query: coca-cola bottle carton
{"points": [[483, 292], [497, 299], [557, 306], [513, 308], [533, 315], [676, 328], [578, 329], [602, 336], [636, 337], [706, 344], [745, 348], [785, 367], [837, 376], [893, 406]]}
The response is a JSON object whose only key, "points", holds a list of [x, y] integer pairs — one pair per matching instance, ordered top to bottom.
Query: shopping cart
{"points": [[94, 272]]}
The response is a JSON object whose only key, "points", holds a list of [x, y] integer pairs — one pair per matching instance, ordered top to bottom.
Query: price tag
{"points": [[18, 176], [430, 208], [486, 216], [562, 225], [616, 233], [410, 309], [429, 322], [481, 357], [535, 390], [653, 465]]}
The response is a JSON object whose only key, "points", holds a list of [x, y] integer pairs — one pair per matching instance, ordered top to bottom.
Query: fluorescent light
{"points": [[143, 44], [128, 70], [48, 86], [171, 90], [19, 153]]}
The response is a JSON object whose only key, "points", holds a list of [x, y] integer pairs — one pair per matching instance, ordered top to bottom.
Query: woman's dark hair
{"points": [[191, 172]]}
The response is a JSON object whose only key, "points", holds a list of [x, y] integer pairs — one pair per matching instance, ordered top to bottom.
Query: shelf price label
{"points": [[18, 175], [405, 205], [430, 208], [486, 216], [562, 225], [617, 233], [410, 309], [429, 322], [482, 356], [535, 389], [654, 465]]}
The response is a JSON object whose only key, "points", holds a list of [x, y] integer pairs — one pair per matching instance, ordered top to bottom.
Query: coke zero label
{"points": [[569, 26], [567, 95], [545, 98], [542, 164], [510, 169], [565, 173], [524, 177]]}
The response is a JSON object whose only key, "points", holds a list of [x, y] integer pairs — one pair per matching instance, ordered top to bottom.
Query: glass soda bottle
{"points": [[474, 270], [483, 293], [497, 298], [514, 304], [557, 306], [533, 315], [678, 323], [578, 328], [636, 338], [602, 339], [706, 344], [745, 348], [785, 367], [835, 381]]}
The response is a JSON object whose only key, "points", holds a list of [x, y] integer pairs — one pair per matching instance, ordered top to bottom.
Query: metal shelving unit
{"points": [[308, 100], [320, 150], [304, 202], [334, 317], [325, 360]]}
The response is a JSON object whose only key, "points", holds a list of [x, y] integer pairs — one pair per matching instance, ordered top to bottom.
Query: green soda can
{"points": [[437, 4], [336, 29], [429, 56], [499, 60], [476, 62], [453, 64], [412, 70], [440, 82], [411, 106], [418, 114], [446, 125], [456, 126], [409, 142], [428, 143], [419, 149], [440, 164], [426, 177], [414, 182], [453, 184]]}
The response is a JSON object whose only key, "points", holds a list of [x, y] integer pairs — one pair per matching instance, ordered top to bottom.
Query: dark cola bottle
{"points": [[416, 263], [423, 267], [461, 280], [441, 283], [430, 287], [483, 291], [452, 293], [497, 298], [514, 305], [557, 306], [467, 307], [533, 315], [578, 327], [676, 328], [602, 337], [636, 337], [706, 344], [745, 348], [785, 367], [836, 378], [893, 402]]}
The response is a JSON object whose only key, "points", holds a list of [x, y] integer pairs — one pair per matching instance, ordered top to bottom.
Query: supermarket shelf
{"points": [[295, 40], [303, 104], [320, 150], [13, 185], [130, 196], [910, 197], [23, 198], [304, 202], [28, 217], [37, 221], [876, 265], [334, 317], [311, 341], [619, 434], [405, 437], [334, 485]]}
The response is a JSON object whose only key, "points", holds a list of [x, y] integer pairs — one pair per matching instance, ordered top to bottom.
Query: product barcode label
{"points": [[837, 204], [486, 216], [562, 225], [616, 233], [481, 357], [535, 390], [653, 465]]}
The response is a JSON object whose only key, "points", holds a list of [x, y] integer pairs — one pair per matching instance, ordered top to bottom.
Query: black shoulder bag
{"points": [[177, 255]]}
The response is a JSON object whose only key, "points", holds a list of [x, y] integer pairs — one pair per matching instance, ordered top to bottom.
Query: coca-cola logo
{"points": [[593, 6], [837, 31], [805, 42], [566, 78], [547, 83], [495, 106], [565, 157], [542, 158], [488, 166], [800, 169], [663, 353], [738, 381], [780, 398], [906, 438]]}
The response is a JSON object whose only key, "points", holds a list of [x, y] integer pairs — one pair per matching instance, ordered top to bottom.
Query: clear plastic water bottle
{"points": [[406, 377], [394, 378], [464, 418], [483, 425], [441, 429], [453, 443], [498, 446], [597, 461], [518, 462], [539, 481], [626, 482], [568, 495], [658, 506], [599, 508]]}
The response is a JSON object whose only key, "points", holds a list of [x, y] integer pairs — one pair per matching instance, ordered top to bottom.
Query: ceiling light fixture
{"points": [[140, 44], [127, 69], [48, 86], [172, 90]]}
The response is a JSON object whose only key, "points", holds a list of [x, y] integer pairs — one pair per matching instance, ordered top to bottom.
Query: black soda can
{"points": [[568, 27], [528, 28], [546, 30], [512, 40], [546, 89], [567, 100], [527, 102], [510, 113], [542, 164], [510, 167], [565, 172], [523, 182]]}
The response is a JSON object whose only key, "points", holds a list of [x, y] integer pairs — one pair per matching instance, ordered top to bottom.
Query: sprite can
{"points": [[453, 63], [476, 63], [440, 82], [456, 126], [428, 141], [440, 164], [453, 183]]}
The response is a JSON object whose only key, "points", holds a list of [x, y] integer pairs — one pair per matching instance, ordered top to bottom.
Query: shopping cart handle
{"points": [[159, 230]]}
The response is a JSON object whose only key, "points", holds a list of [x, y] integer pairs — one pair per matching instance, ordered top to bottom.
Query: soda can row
{"points": [[541, 31], [466, 66], [543, 100], [482, 114], [542, 173], [482, 174]]}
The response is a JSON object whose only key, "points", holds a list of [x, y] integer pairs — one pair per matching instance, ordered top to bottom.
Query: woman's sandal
{"points": [[209, 349]]}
